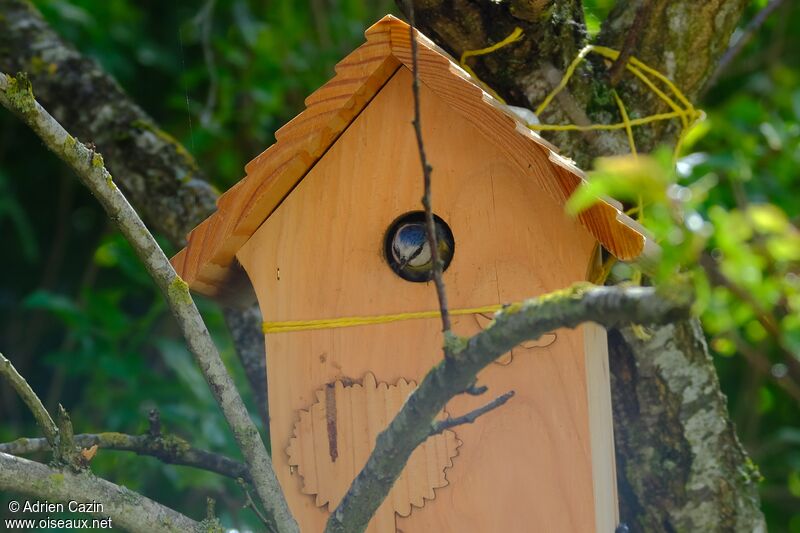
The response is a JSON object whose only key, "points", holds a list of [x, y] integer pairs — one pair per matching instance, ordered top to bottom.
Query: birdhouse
{"points": [[326, 226]]}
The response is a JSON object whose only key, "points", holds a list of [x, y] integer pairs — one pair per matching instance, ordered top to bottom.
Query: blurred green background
{"points": [[81, 321]]}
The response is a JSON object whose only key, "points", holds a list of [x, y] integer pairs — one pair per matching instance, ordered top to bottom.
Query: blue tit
{"points": [[408, 251]]}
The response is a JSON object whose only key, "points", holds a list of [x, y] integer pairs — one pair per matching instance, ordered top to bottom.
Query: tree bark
{"points": [[156, 173], [169, 449], [680, 465], [691, 474]]}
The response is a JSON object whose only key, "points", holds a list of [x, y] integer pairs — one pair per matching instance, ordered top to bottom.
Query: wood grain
{"points": [[319, 255], [207, 264], [332, 441]]}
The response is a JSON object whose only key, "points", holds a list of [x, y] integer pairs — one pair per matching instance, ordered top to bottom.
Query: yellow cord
{"points": [[515, 35], [564, 80], [684, 110], [626, 121], [345, 322]]}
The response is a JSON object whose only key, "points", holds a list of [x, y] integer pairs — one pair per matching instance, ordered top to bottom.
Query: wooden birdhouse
{"points": [[326, 226]]}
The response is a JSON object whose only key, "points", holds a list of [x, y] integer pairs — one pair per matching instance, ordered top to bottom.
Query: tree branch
{"points": [[744, 38], [631, 41], [16, 95], [430, 225], [608, 306], [764, 316], [25, 392], [442, 425], [168, 449], [65, 451], [127, 509]]}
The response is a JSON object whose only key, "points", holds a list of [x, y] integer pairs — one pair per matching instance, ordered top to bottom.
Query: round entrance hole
{"points": [[407, 250]]}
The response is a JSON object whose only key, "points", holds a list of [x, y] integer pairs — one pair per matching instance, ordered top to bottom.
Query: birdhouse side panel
{"points": [[322, 255]]}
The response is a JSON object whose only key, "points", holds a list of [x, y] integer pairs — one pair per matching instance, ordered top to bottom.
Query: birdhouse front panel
{"points": [[345, 243]]}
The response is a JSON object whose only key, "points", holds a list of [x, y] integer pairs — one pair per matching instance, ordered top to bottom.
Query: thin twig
{"points": [[204, 20], [744, 38], [631, 42], [17, 95], [430, 225], [608, 306], [764, 317], [761, 364], [474, 390], [26, 394], [469, 418], [154, 423], [168, 449], [66, 451], [248, 502]]}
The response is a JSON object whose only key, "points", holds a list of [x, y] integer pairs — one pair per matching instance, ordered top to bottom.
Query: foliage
{"points": [[80, 320]]}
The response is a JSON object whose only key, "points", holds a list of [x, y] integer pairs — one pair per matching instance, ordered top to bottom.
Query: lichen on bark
{"points": [[669, 382]]}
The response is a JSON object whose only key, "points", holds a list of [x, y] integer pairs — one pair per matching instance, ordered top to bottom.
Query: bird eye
{"points": [[407, 250]]}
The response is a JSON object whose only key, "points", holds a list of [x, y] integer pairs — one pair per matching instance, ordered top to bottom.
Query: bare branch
{"points": [[744, 38], [631, 41], [17, 95], [430, 226], [608, 306], [764, 316], [761, 364], [474, 390], [25, 392], [470, 417], [154, 423], [168, 449], [66, 452], [251, 504], [127, 509]]}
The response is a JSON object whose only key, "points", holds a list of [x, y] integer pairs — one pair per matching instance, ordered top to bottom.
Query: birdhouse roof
{"points": [[208, 263]]}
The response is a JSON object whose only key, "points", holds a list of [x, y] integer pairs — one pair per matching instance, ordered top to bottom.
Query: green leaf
{"points": [[624, 178], [767, 218], [793, 483]]}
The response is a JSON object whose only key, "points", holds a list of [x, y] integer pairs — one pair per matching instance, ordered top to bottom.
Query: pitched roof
{"points": [[208, 262]]}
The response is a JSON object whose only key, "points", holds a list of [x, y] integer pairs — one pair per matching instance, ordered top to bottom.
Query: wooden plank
{"points": [[601, 426], [329, 447], [528, 463]]}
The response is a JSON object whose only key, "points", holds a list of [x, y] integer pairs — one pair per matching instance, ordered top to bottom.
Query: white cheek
{"points": [[423, 258]]}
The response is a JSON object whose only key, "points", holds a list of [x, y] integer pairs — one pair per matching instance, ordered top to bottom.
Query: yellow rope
{"points": [[515, 35], [564, 80], [684, 111], [626, 121], [345, 322]]}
